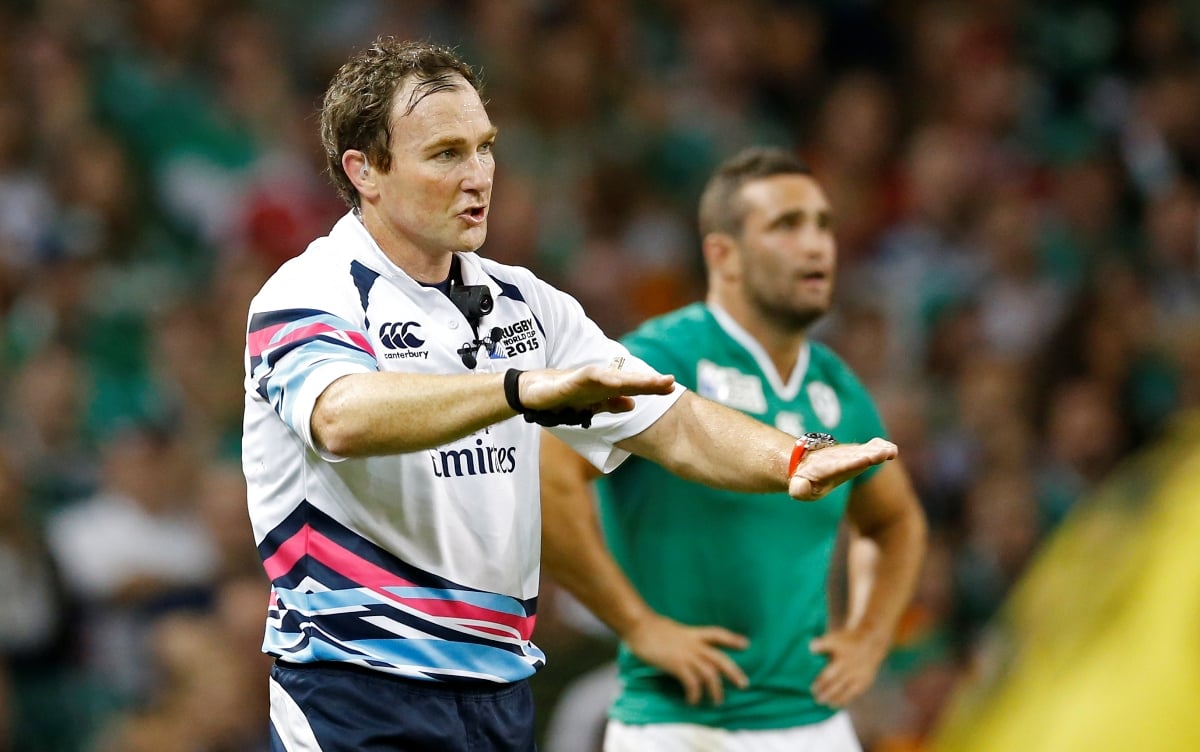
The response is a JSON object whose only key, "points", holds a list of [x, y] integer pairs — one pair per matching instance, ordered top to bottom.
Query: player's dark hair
{"points": [[356, 113], [721, 210]]}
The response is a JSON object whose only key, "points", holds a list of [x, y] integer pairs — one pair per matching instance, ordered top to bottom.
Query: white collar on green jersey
{"points": [[786, 392]]}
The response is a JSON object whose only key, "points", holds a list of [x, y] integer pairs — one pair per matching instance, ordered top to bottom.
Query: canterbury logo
{"points": [[400, 336]]}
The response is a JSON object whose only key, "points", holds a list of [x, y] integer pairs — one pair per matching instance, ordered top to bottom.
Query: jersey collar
{"points": [[349, 230], [785, 391]]}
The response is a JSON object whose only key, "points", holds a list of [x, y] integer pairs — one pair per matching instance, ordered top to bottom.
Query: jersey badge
{"points": [[402, 339], [513, 340], [730, 387], [825, 403], [789, 422]]}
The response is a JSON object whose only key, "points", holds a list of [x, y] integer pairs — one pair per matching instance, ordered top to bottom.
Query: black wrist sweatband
{"points": [[512, 390], [565, 416]]}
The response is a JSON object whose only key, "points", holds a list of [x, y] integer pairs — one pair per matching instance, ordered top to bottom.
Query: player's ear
{"points": [[362, 175], [721, 255]]}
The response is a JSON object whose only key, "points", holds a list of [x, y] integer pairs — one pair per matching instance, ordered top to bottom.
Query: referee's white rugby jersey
{"points": [[422, 564]]}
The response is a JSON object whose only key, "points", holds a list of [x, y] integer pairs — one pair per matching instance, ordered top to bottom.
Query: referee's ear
{"points": [[359, 171]]}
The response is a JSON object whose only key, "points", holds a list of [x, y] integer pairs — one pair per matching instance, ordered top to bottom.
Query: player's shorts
{"points": [[333, 707], [835, 734]]}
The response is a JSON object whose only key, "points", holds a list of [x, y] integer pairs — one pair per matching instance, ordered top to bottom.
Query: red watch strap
{"points": [[798, 452]]}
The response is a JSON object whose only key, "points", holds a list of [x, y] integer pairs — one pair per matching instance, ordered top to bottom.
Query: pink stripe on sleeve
{"points": [[262, 340], [258, 341]]}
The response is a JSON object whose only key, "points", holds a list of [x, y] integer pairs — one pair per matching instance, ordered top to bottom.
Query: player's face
{"points": [[435, 197], [788, 251]]}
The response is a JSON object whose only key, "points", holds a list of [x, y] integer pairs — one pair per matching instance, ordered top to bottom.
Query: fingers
{"points": [[626, 382], [630, 383], [609, 389], [614, 405], [880, 450], [824, 469], [801, 488], [723, 637], [696, 658], [714, 664], [730, 671], [707, 675], [847, 675], [700, 676], [711, 677], [821, 685], [830, 685], [691, 686], [837, 688]]}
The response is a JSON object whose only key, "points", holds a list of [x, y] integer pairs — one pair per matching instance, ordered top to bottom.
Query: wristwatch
{"points": [[809, 442]]}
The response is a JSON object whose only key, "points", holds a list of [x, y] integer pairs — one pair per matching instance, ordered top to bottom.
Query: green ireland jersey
{"points": [[754, 563]]}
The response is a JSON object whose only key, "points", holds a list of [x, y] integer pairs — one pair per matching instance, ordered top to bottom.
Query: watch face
{"points": [[819, 440]]}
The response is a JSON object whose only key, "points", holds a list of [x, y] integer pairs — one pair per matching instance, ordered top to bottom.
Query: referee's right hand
{"points": [[601, 390]]}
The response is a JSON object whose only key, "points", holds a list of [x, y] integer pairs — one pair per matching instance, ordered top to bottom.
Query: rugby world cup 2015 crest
{"points": [[730, 387]]}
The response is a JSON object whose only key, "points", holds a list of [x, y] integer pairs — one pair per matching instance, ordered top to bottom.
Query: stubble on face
{"points": [[791, 316]]}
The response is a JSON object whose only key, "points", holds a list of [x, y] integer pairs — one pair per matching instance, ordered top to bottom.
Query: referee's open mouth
{"points": [[474, 215]]}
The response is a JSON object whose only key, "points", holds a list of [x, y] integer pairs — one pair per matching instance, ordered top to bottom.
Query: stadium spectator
{"points": [[132, 550]]}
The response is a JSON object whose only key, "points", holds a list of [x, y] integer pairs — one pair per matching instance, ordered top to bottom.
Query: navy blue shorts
{"points": [[331, 707]]}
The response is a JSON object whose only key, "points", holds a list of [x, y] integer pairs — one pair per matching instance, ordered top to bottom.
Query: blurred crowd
{"points": [[1017, 197]]}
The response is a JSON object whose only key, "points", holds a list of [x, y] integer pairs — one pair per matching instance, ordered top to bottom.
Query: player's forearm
{"points": [[386, 413], [704, 442], [574, 553], [594, 580], [886, 585]]}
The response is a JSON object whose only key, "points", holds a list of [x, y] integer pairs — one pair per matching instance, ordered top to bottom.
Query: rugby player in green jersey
{"points": [[721, 593]]}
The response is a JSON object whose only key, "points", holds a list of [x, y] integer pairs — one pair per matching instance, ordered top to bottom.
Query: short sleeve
{"points": [[576, 341], [294, 354]]}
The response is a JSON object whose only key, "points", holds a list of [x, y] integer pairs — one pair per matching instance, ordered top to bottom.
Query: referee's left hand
{"points": [[822, 470]]}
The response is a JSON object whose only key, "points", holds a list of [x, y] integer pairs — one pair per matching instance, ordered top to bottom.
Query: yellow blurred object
{"points": [[1099, 647]]}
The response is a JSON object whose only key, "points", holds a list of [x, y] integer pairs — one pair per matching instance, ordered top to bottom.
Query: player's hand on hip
{"points": [[602, 390], [822, 470], [693, 655], [854, 660]]}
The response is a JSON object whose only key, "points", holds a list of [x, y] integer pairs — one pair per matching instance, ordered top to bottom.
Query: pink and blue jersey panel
{"points": [[337, 597]]}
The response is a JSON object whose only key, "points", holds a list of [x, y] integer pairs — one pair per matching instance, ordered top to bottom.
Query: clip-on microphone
{"points": [[475, 302]]}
